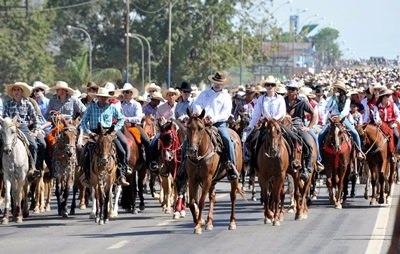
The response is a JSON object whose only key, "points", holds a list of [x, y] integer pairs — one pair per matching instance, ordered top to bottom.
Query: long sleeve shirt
{"points": [[217, 105], [182, 106], [71, 107], [268, 107], [332, 108], [24, 110], [132, 111], [166, 111], [104, 116]]}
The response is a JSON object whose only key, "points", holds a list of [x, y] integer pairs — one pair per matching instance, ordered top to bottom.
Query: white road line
{"points": [[164, 223], [378, 235], [118, 245]]}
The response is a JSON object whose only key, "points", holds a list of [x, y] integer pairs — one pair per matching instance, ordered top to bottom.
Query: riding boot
{"points": [[306, 170], [232, 172], [33, 173], [121, 178]]}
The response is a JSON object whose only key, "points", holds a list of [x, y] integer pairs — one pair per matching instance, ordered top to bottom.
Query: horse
{"points": [[170, 141], [337, 153], [377, 153], [64, 161], [15, 163], [272, 164], [103, 166], [204, 169], [136, 179]]}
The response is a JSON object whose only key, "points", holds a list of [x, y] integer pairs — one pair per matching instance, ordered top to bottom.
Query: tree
{"points": [[327, 50]]}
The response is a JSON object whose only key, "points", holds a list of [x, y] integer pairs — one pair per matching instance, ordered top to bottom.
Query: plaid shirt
{"points": [[71, 107], [24, 110], [95, 115]]}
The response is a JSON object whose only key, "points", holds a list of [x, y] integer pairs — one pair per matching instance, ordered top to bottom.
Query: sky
{"points": [[366, 27]]}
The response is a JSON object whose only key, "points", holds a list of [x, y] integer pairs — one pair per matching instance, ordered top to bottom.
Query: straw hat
{"points": [[219, 78], [269, 80], [293, 84], [339, 84], [40, 85], [62, 85], [153, 86], [375, 86], [129, 87], [111, 88], [26, 89], [260, 89], [170, 90], [281, 90], [307, 91], [384, 91], [103, 92], [157, 96], [141, 99]]}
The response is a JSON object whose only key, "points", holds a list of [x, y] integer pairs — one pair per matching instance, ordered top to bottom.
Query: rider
{"points": [[184, 102], [339, 105], [19, 106], [218, 106], [151, 107], [297, 109], [102, 112], [387, 114]]}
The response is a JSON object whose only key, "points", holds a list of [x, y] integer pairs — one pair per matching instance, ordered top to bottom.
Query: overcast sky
{"points": [[367, 27]]}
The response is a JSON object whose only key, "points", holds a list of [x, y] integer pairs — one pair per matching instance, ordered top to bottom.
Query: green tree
{"points": [[327, 50], [24, 51]]}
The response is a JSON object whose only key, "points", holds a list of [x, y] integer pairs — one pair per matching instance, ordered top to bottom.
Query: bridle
{"points": [[173, 147], [207, 153]]}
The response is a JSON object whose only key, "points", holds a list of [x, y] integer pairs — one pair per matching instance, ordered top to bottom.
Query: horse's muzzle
{"points": [[7, 150], [192, 151], [104, 161]]}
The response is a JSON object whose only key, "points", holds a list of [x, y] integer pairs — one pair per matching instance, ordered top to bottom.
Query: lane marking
{"points": [[164, 223], [375, 243], [118, 245]]}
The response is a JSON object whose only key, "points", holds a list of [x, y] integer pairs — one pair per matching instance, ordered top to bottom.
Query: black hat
{"points": [[185, 86]]}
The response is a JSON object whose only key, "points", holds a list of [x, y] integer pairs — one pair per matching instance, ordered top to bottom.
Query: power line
{"points": [[54, 8], [152, 12]]}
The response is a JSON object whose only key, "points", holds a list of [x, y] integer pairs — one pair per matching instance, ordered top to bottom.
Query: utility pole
{"points": [[127, 40], [169, 42], [212, 45], [241, 53]]}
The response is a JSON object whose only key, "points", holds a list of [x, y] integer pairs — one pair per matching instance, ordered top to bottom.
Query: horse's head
{"points": [[149, 126], [195, 131], [336, 132], [9, 133], [67, 137], [273, 138], [168, 140], [104, 147]]}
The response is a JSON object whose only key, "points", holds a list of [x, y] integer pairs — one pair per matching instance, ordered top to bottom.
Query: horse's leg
{"points": [[141, 176], [382, 176], [263, 180], [391, 182], [374, 183], [329, 185], [67, 187], [193, 189], [74, 191], [33, 192], [58, 193], [134, 193], [17, 194], [41, 194], [276, 197], [107, 199], [7, 200], [202, 202], [102, 205], [114, 210], [93, 213], [210, 217]]}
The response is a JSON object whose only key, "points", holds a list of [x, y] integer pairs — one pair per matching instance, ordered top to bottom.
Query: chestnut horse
{"points": [[377, 153], [337, 160], [272, 164], [103, 167], [204, 169]]}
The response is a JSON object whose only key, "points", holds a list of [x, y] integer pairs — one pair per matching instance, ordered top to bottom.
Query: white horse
{"points": [[15, 168]]}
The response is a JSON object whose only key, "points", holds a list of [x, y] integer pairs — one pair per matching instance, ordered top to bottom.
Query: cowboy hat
{"points": [[219, 78], [269, 80], [293, 84], [339, 84], [40, 85], [62, 85], [153, 86], [185, 86], [375, 86], [129, 87], [111, 88], [26, 89], [260, 89], [170, 90], [281, 90], [307, 91], [384, 91], [103, 92], [239, 95], [157, 96], [140, 99]]}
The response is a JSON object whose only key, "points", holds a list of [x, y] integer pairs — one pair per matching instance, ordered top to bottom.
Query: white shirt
{"points": [[218, 105], [268, 107], [332, 108], [321, 110], [132, 111], [165, 111]]}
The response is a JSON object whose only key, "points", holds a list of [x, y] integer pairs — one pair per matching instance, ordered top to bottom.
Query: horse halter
{"points": [[10, 146], [195, 148]]}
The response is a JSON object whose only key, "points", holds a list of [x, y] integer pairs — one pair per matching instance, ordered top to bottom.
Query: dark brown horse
{"points": [[377, 153], [337, 160], [272, 165], [103, 167], [204, 169]]}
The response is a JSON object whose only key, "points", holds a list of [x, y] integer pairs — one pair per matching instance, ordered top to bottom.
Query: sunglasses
{"points": [[269, 85], [291, 89], [38, 90], [152, 91], [186, 91], [127, 92], [111, 93]]}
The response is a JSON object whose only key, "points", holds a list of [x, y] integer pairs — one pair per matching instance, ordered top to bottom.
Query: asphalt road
{"points": [[357, 228]]}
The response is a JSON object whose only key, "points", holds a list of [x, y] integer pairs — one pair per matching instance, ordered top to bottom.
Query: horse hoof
{"points": [[314, 197], [254, 198], [389, 200], [381, 201], [338, 206], [82, 207], [141, 207], [48, 208], [36, 210], [42, 210], [291, 210], [134, 211], [72, 212], [183, 214], [65, 215], [113, 215], [176, 215], [92, 216], [4, 221], [267, 221], [101, 222], [276, 223], [232, 226], [209, 227], [197, 231]]}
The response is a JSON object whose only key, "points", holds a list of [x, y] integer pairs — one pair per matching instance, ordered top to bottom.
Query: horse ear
{"points": [[203, 112], [15, 119], [111, 129]]}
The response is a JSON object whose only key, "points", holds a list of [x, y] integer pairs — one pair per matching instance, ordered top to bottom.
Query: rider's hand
{"points": [[208, 120], [92, 135]]}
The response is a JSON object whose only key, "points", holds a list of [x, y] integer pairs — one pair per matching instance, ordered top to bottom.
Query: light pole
{"points": [[69, 27], [169, 42], [141, 44], [149, 55]]}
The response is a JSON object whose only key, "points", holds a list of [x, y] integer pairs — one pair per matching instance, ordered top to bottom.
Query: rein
{"points": [[376, 139], [173, 147]]}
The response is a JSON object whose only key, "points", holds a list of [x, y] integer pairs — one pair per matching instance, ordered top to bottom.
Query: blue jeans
{"points": [[349, 126], [223, 131], [312, 133], [153, 149]]}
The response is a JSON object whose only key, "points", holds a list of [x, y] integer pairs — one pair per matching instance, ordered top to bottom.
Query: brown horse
{"points": [[377, 154], [337, 158], [64, 161], [272, 165], [103, 167], [204, 169]]}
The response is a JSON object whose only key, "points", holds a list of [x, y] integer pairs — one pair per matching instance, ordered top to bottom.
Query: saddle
{"points": [[216, 139]]}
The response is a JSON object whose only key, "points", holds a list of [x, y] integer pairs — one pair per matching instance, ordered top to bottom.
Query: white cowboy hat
{"points": [[219, 78], [269, 80], [293, 84], [339, 84], [40, 85], [62, 85], [153, 86], [375, 86], [129, 87], [111, 88], [26, 89], [170, 90], [281, 90], [307, 91], [385, 91], [103, 92], [77, 93], [157, 96], [140, 98]]}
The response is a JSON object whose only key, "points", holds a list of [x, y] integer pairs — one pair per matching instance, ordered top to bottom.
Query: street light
{"points": [[69, 27], [141, 44], [149, 55]]}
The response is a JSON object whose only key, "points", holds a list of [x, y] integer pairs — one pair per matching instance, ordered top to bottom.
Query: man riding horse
{"points": [[339, 105], [102, 112]]}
